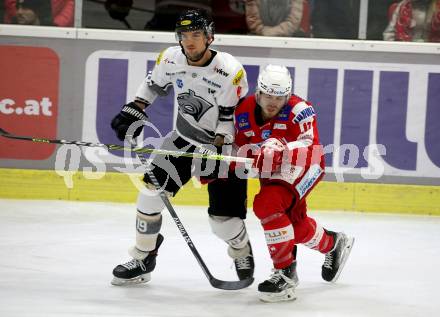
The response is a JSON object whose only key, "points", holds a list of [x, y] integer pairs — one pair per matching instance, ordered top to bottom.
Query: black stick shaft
{"points": [[115, 147], [226, 285]]}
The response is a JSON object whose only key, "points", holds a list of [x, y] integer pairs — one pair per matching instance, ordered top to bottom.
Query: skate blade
{"points": [[345, 253], [144, 278], [286, 295]]}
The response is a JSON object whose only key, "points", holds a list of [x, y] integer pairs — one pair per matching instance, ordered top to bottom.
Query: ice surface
{"points": [[56, 259]]}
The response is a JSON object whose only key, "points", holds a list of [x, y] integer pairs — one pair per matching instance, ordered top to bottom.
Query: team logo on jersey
{"points": [[221, 71], [237, 79], [179, 83], [190, 103], [284, 113], [304, 114], [243, 121], [249, 133], [265, 134]]}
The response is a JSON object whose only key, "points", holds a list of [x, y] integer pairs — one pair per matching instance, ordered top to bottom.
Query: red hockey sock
{"points": [[279, 234], [313, 236]]}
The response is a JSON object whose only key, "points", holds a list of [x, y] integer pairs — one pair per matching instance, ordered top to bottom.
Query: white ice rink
{"points": [[56, 259]]}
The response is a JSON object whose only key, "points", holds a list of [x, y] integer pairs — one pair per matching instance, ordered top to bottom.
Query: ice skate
{"points": [[335, 259], [243, 261], [137, 271], [280, 286]]}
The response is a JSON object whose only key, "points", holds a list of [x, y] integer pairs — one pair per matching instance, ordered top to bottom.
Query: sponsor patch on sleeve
{"points": [[159, 57], [237, 79], [304, 114]]}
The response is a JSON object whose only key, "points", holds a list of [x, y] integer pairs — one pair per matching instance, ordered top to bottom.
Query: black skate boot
{"points": [[335, 259], [243, 261], [137, 271], [280, 286]]}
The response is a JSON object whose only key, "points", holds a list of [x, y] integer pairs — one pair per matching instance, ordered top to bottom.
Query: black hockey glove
{"points": [[129, 114]]}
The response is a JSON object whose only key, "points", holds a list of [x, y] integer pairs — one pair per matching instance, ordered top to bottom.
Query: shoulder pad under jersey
{"points": [[228, 67]]}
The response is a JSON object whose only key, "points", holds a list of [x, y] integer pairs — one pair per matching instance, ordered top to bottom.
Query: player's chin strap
{"points": [[226, 285]]}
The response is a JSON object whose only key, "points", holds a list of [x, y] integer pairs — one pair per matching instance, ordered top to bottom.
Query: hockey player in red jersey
{"points": [[279, 130]]}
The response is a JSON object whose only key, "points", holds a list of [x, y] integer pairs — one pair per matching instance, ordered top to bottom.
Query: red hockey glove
{"points": [[270, 157]]}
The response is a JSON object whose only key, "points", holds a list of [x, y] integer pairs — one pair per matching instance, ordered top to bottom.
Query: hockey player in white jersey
{"points": [[208, 85]]}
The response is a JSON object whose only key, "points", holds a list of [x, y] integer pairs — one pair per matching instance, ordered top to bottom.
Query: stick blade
{"points": [[231, 285]]}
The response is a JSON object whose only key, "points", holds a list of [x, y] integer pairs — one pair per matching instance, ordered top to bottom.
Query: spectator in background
{"points": [[119, 10], [2, 11], [35, 12], [61, 12], [166, 13], [229, 16], [280, 18], [377, 18], [335, 19], [414, 20]]}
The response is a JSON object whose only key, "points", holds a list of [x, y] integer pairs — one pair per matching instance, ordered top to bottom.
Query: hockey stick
{"points": [[116, 147], [226, 285]]}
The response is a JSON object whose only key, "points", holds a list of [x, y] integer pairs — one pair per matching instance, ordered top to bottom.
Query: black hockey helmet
{"points": [[193, 20]]}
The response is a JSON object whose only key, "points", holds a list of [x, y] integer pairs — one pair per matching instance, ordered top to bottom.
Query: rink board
{"points": [[377, 105], [116, 187]]}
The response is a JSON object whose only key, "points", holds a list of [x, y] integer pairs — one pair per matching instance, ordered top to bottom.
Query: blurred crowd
{"points": [[39, 12], [390, 20]]}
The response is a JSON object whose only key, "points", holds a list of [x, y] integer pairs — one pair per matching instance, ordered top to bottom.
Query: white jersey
{"points": [[205, 96]]}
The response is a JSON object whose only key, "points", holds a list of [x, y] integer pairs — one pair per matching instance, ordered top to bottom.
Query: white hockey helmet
{"points": [[275, 80]]}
